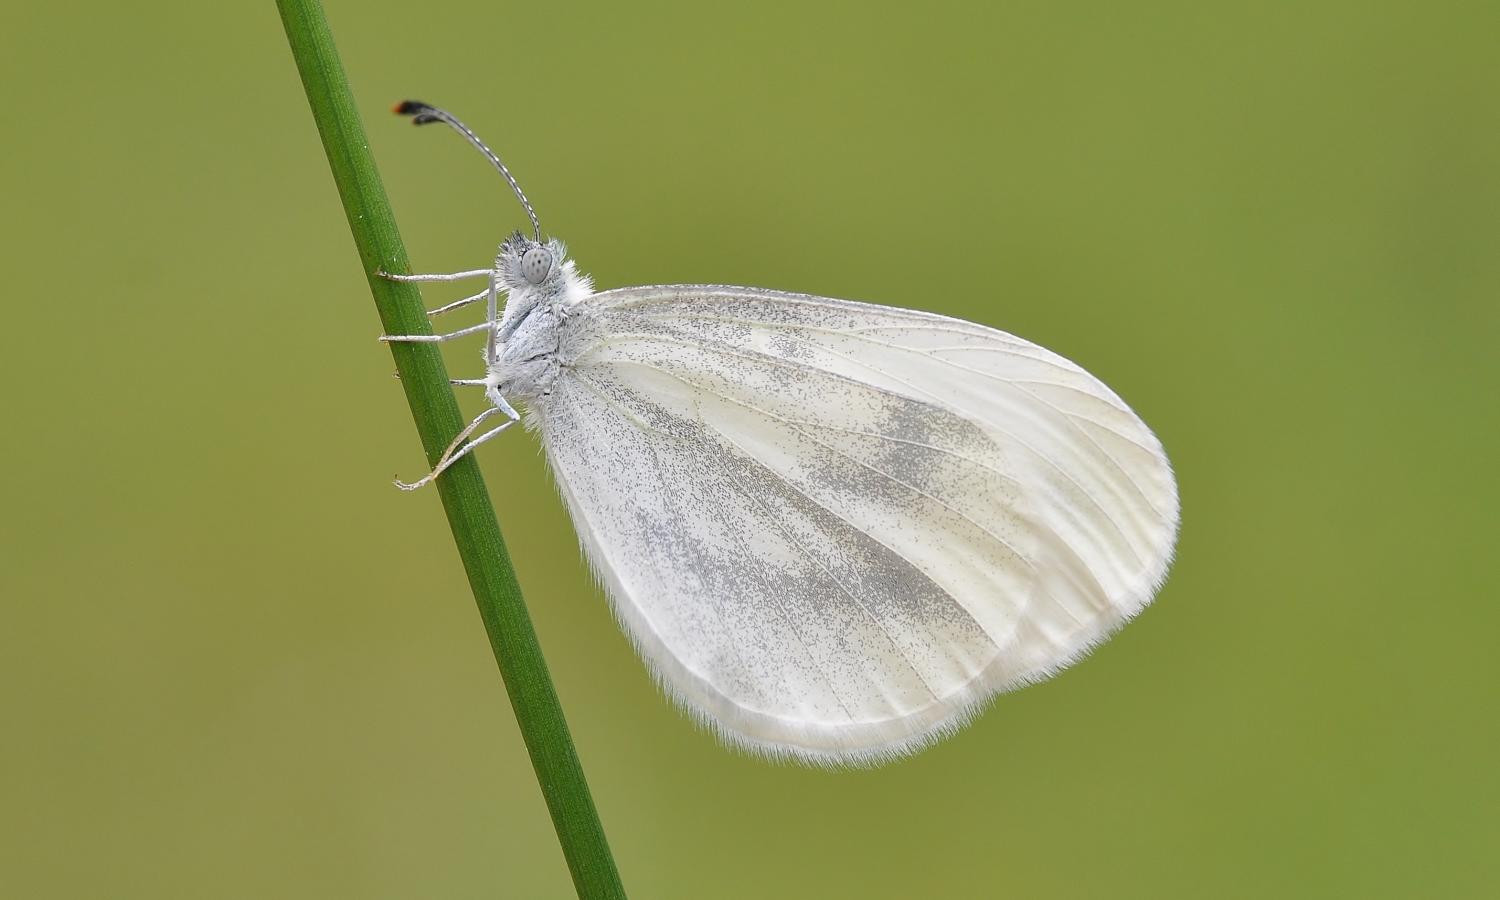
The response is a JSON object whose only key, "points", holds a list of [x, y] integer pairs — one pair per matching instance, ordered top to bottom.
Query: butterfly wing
{"points": [[834, 529]]}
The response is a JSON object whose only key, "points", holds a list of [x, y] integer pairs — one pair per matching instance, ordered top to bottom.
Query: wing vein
{"points": [[858, 334], [927, 352], [771, 360], [1069, 418], [802, 427], [1062, 470], [1010, 479], [667, 497], [939, 501], [819, 563], [781, 606]]}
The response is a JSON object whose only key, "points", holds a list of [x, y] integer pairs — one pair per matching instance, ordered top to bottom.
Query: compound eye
{"points": [[535, 265]]}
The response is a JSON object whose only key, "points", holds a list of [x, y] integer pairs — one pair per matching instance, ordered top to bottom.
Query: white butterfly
{"points": [[832, 529]]}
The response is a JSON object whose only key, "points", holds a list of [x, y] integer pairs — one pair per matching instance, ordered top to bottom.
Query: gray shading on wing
{"points": [[834, 529]]}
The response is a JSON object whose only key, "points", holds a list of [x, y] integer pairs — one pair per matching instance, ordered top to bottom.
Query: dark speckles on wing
{"points": [[749, 469], [833, 528]]}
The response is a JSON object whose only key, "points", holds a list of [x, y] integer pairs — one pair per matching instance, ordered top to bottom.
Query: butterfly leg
{"points": [[449, 276], [458, 304], [435, 338], [456, 382], [492, 394], [458, 449]]}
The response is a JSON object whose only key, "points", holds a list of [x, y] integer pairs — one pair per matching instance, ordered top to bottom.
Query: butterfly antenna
{"points": [[426, 113]]}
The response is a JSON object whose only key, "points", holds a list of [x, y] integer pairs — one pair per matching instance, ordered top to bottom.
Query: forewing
{"points": [[832, 528]]}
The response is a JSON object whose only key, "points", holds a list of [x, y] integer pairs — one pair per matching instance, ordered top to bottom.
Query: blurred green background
{"points": [[238, 663]]}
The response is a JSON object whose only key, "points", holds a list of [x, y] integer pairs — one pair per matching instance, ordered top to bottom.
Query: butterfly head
{"points": [[526, 265], [531, 271]]}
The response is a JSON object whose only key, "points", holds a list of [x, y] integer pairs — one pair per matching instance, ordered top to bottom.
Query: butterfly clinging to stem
{"points": [[833, 530]]}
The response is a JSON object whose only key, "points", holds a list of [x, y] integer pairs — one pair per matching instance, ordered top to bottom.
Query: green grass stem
{"points": [[465, 500]]}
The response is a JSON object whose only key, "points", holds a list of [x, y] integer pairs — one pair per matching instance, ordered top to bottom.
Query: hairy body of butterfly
{"points": [[832, 530]]}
